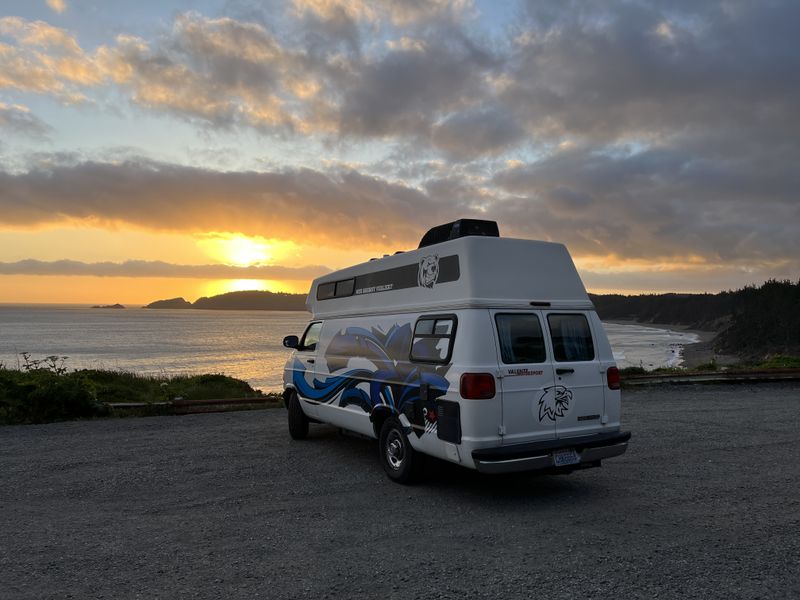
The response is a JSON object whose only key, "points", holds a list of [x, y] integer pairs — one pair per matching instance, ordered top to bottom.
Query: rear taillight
{"points": [[612, 375], [477, 386]]}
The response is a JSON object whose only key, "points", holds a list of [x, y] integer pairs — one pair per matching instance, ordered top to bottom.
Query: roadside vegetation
{"points": [[770, 363], [46, 390]]}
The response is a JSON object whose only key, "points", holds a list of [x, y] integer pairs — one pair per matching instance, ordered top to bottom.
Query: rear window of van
{"points": [[521, 338], [572, 338]]}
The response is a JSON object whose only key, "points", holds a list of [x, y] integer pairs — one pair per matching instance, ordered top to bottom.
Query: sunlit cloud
{"points": [[59, 6], [373, 11], [45, 60], [220, 71]]}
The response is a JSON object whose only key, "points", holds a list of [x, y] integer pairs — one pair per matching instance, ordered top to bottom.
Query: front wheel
{"points": [[298, 421], [400, 461]]}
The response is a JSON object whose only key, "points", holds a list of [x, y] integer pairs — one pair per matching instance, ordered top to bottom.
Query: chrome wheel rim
{"points": [[395, 449]]}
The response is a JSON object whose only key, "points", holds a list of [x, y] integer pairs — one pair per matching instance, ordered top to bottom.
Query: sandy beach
{"points": [[693, 354]]}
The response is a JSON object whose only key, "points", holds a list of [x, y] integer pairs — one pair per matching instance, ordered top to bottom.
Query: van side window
{"points": [[345, 287], [336, 289], [326, 290], [311, 337], [572, 338], [433, 339], [521, 339]]}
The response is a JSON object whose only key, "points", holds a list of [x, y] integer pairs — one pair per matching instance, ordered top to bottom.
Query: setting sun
{"points": [[238, 250], [243, 251]]}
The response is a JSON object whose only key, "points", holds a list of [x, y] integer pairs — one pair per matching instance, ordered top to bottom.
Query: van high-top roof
{"points": [[467, 272]]}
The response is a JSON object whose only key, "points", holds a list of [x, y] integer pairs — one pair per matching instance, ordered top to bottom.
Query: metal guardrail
{"points": [[731, 376], [185, 407]]}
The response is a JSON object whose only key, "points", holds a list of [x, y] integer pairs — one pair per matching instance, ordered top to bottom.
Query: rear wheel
{"points": [[298, 421], [400, 461]]}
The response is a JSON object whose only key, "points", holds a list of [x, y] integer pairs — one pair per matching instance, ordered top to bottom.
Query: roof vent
{"points": [[459, 229]]}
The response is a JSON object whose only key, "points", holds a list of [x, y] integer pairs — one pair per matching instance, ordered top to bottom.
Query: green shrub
{"points": [[778, 362], [709, 366], [631, 371], [206, 387], [44, 390], [42, 396]]}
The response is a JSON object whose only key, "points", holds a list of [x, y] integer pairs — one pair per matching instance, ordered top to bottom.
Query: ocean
{"points": [[242, 344]]}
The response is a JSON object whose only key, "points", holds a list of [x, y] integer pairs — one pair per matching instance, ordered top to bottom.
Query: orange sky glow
{"points": [[148, 151]]}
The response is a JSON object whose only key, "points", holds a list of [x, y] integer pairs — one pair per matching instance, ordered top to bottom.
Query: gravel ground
{"points": [[704, 504]]}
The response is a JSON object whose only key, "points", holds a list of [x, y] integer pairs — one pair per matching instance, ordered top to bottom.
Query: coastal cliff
{"points": [[749, 323]]}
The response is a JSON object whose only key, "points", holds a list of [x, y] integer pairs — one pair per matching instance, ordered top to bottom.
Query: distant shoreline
{"points": [[131, 307], [705, 336], [693, 355]]}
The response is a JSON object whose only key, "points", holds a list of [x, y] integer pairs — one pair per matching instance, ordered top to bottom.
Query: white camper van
{"points": [[476, 349]]}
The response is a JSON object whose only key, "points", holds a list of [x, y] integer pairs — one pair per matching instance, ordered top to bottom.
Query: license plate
{"points": [[563, 458]]}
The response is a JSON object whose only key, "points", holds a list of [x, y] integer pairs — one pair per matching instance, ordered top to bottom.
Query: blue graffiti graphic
{"points": [[394, 383]]}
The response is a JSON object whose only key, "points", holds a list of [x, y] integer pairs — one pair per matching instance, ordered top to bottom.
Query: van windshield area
{"points": [[572, 338], [521, 339]]}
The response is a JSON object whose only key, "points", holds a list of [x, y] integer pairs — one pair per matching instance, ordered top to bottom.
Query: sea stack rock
{"points": [[171, 303]]}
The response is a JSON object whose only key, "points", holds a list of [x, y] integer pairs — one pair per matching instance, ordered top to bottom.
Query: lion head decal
{"points": [[428, 271], [554, 402]]}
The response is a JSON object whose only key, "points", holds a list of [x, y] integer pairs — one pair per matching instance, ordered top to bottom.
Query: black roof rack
{"points": [[458, 229]]}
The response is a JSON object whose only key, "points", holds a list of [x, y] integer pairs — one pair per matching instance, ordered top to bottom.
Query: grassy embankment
{"points": [[775, 362], [43, 391]]}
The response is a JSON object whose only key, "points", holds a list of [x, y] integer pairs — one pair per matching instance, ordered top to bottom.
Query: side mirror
{"points": [[291, 341]]}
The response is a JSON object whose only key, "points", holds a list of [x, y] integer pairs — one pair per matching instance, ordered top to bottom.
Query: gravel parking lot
{"points": [[704, 504]]}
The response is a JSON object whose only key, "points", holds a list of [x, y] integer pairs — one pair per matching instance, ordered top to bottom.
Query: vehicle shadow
{"points": [[441, 477]]}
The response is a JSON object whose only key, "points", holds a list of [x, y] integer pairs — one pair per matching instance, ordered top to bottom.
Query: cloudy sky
{"points": [[172, 148]]}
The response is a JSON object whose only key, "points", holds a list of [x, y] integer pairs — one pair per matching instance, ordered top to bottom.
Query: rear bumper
{"points": [[539, 455]]}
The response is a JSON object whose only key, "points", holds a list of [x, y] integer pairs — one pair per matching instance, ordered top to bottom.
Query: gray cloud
{"points": [[616, 70], [404, 92], [19, 120], [469, 135], [661, 202], [343, 208], [143, 268]]}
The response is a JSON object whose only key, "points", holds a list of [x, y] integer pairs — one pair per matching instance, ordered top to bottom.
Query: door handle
{"points": [[310, 361], [564, 371]]}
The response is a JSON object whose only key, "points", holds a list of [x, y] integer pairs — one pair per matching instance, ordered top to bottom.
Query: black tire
{"points": [[298, 421], [400, 461]]}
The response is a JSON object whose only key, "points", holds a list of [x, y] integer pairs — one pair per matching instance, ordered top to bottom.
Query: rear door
{"points": [[526, 376], [577, 402]]}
